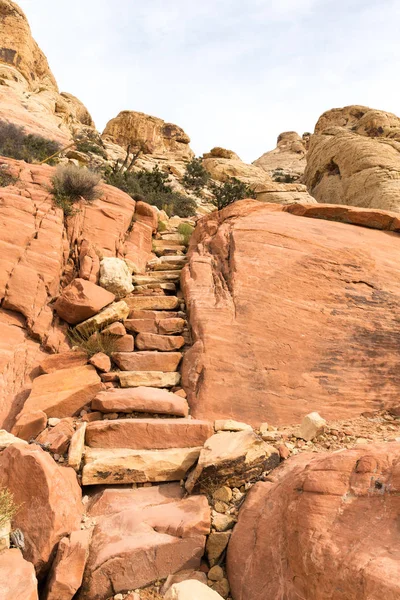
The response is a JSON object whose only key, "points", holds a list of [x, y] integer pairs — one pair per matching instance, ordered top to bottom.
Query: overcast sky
{"points": [[232, 73]]}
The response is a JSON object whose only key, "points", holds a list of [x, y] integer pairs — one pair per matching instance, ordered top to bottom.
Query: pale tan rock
{"points": [[153, 135], [353, 158], [286, 163], [115, 277], [115, 312], [155, 379], [231, 425], [311, 427], [7, 439], [77, 447], [234, 458], [120, 466], [224, 494], [223, 522], [216, 545], [215, 573], [184, 575], [191, 590]]}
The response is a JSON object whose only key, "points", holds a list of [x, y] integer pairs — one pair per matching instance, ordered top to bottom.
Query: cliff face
{"points": [[29, 94], [354, 158], [288, 160], [290, 313]]}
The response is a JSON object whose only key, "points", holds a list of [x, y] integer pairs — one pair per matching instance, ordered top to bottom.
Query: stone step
{"points": [[173, 237], [168, 248], [165, 263], [156, 276], [166, 287], [152, 302], [155, 314], [152, 325], [162, 343], [147, 361], [156, 379], [141, 400], [148, 434], [124, 465]]}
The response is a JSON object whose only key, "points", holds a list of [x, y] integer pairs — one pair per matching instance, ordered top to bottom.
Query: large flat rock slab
{"points": [[152, 302], [291, 315], [161, 343], [147, 361], [156, 379], [64, 393], [141, 400], [148, 434], [137, 466]]}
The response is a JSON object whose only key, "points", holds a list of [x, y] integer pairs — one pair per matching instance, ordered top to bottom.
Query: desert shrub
{"points": [[15, 143], [86, 146], [196, 177], [280, 177], [6, 178], [71, 183], [152, 186], [230, 191], [161, 226], [186, 230], [92, 341], [8, 508]]}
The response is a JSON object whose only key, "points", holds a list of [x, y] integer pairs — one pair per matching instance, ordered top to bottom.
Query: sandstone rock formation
{"points": [[29, 94], [151, 134], [354, 158], [286, 163], [222, 164], [290, 315], [325, 528], [17, 576]]}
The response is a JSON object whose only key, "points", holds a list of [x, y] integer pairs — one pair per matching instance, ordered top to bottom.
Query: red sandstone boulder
{"points": [[145, 213], [81, 300], [290, 314], [163, 343], [65, 360], [147, 361], [101, 362], [64, 393], [140, 399], [29, 425], [57, 438], [49, 498], [327, 528], [135, 547], [68, 567], [17, 577]]}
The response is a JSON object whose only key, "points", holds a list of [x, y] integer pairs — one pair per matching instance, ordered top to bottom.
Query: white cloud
{"points": [[231, 73]]}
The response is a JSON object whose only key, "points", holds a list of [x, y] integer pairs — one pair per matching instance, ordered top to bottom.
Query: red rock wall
{"points": [[291, 315]]}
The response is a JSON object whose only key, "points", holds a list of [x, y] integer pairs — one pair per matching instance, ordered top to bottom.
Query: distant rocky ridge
{"points": [[287, 162]]}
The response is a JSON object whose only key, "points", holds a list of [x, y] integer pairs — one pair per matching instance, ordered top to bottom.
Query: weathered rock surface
{"points": [[152, 134], [354, 158], [286, 163], [115, 276], [81, 300], [152, 302], [118, 311], [291, 314], [161, 343], [65, 360], [147, 361], [156, 379], [65, 392], [140, 399], [30, 424], [148, 434], [57, 438], [8, 439], [77, 447], [233, 458], [118, 466], [47, 495], [351, 499], [139, 545], [69, 564], [17, 577], [191, 590]]}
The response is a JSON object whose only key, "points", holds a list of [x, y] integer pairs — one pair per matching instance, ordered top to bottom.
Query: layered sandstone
{"points": [[29, 94], [151, 134], [354, 158], [286, 163], [290, 315], [326, 528]]}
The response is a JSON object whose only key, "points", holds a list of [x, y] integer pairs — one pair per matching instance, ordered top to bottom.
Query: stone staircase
{"points": [[146, 434]]}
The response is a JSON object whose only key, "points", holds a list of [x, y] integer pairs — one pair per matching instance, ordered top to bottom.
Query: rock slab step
{"points": [[152, 302], [147, 361], [156, 379], [142, 400], [148, 434], [119, 466]]}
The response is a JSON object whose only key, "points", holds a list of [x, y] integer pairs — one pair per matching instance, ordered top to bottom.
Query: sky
{"points": [[231, 73]]}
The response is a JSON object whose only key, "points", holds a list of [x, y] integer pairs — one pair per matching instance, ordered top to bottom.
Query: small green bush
{"points": [[15, 143], [87, 146], [196, 177], [6, 178], [71, 183], [152, 187], [230, 191], [161, 226], [186, 230], [8, 508]]}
